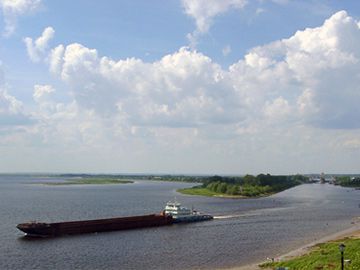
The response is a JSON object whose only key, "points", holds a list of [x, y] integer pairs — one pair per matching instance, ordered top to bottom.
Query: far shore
{"points": [[88, 181], [196, 191], [353, 232]]}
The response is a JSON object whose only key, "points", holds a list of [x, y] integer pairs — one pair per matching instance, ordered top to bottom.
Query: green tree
{"points": [[250, 180], [222, 187], [232, 190]]}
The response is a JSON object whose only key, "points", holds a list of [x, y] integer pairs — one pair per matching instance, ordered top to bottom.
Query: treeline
{"points": [[348, 181], [252, 186]]}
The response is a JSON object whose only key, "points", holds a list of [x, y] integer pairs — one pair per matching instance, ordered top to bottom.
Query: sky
{"points": [[180, 86]]}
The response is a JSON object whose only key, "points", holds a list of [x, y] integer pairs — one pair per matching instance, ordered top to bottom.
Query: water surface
{"points": [[247, 230]]}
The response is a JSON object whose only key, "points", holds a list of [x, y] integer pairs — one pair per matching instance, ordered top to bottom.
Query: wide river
{"points": [[245, 231]]}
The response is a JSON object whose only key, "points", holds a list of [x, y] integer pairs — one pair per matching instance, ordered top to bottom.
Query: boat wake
{"points": [[251, 213], [234, 216]]}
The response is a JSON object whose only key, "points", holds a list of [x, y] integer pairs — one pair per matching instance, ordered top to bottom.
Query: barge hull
{"points": [[91, 226]]}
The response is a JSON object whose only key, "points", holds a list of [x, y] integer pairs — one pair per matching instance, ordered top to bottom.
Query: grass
{"points": [[89, 181], [200, 191], [324, 256]]}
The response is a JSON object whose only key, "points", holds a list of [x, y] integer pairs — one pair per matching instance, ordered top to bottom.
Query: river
{"points": [[244, 230]]}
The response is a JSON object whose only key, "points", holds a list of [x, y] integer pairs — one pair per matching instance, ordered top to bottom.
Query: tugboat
{"points": [[182, 214]]}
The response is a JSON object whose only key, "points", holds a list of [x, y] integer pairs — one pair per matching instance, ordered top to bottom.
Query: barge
{"points": [[173, 213], [41, 229]]}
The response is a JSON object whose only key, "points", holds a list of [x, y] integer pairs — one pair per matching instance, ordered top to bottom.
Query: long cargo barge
{"points": [[173, 213], [40, 229]]}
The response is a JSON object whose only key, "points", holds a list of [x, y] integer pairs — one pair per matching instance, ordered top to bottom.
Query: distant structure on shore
{"points": [[322, 178]]}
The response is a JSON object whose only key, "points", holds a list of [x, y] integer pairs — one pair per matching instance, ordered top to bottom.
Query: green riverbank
{"points": [[248, 186], [200, 191], [324, 256]]}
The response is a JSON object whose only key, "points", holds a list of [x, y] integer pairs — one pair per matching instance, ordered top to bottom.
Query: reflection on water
{"points": [[243, 231]]}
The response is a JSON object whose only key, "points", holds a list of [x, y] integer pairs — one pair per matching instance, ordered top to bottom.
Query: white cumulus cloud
{"points": [[203, 12], [36, 49], [55, 58], [315, 70], [311, 78], [182, 89], [41, 92], [11, 111]]}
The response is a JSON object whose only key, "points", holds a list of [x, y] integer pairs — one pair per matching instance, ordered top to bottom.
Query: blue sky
{"points": [[180, 86]]}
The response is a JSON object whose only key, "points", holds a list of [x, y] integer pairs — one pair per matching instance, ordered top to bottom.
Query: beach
{"points": [[353, 232]]}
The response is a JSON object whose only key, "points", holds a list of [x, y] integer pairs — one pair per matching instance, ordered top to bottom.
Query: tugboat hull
{"points": [[193, 218]]}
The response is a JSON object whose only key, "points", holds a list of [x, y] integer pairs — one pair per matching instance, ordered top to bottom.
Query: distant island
{"points": [[151, 177], [103, 179], [89, 181], [246, 186]]}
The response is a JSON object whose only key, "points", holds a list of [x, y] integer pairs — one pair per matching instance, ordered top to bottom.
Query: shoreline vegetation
{"points": [[89, 181], [348, 181], [248, 186], [323, 254], [319, 255]]}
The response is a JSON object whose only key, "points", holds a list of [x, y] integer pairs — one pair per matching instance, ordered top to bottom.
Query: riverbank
{"points": [[248, 186], [200, 191], [208, 193], [353, 233]]}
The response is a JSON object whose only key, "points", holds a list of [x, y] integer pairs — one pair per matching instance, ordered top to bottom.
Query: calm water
{"points": [[247, 230]]}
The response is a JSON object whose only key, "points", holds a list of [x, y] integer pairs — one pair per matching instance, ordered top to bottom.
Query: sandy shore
{"points": [[353, 231]]}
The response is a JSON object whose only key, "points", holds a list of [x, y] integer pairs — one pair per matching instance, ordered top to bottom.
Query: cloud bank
{"points": [[304, 79], [300, 93]]}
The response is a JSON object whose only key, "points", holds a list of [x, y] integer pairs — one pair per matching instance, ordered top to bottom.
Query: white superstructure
{"points": [[176, 210], [183, 214]]}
